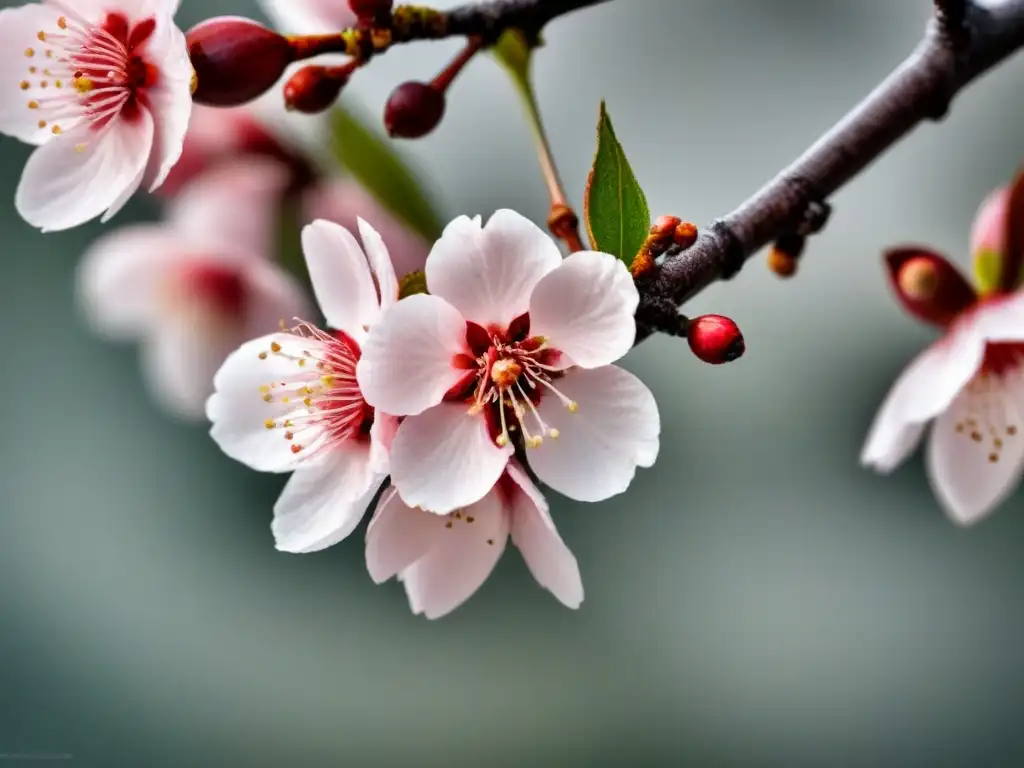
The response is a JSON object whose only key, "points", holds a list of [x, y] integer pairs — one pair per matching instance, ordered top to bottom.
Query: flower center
{"points": [[80, 71], [219, 287], [510, 373], [328, 406], [983, 415]]}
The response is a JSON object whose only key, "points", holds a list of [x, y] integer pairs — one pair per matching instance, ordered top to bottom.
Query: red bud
{"points": [[370, 10], [235, 60], [315, 89], [413, 110], [686, 235], [928, 286], [715, 339]]}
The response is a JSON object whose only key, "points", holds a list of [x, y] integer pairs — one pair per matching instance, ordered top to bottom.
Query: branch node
{"points": [[733, 252]]}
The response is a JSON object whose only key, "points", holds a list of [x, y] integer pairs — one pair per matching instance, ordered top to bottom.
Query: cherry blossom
{"points": [[309, 16], [103, 88], [193, 288], [513, 346], [970, 383], [290, 402], [443, 559]]}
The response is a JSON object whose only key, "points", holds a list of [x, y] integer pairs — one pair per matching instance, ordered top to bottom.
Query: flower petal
{"points": [[309, 16], [18, 29], [170, 99], [81, 174], [344, 202], [232, 208], [989, 230], [380, 264], [488, 274], [120, 277], [341, 277], [272, 295], [586, 307], [1000, 319], [182, 356], [406, 366], [925, 389], [240, 411], [614, 430], [445, 459], [967, 482], [323, 503], [533, 532], [398, 536], [460, 561]]}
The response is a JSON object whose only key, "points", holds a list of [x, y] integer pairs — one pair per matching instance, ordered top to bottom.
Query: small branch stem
{"points": [[456, 65], [920, 89]]}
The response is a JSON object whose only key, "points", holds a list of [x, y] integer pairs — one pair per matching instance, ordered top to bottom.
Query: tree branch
{"points": [[490, 19], [919, 89]]}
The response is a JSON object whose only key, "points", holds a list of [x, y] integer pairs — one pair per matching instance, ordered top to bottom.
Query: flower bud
{"points": [[370, 10], [235, 60], [314, 89], [413, 110], [685, 235], [782, 263], [928, 286], [715, 339]]}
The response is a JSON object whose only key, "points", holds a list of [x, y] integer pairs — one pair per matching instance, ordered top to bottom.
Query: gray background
{"points": [[756, 599]]}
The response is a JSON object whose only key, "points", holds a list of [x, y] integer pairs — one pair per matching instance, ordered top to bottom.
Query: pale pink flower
{"points": [[307, 17], [103, 87], [344, 201], [193, 288], [513, 345], [969, 384], [289, 402], [443, 559]]}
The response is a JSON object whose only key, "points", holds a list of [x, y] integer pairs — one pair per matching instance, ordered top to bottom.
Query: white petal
{"points": [[309, 16], [18, 29], [170, 99], [79, 175], [233, 207], [380, 263], [489, 274], [120, 277], [341, 277], [272, 295], [586, 308], [1000, 319], [182, 356], [406, 366], [925, 389], [239, 411], [614, 430], [382, 436], [445, 459], [966, 481], [323, 503], [533, 532], [398, 536], [460, 561]]}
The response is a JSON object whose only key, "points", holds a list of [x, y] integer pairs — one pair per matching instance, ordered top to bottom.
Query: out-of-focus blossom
{"points": [[307, 17], [104, 89], [344, 201], [195, 287], [513, 345], [970, 382], [289, 401], [443, 559]]}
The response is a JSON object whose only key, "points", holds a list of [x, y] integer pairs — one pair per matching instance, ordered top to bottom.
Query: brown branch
{"points": [[919, 89]]}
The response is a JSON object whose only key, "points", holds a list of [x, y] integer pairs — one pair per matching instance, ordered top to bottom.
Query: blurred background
{"points": [[755, 599]]}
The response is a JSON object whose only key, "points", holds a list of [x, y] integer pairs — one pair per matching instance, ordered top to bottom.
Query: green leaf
{"points": [[373, 162], [615, 207]]}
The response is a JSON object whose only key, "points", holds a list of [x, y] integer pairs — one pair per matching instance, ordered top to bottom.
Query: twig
{"points": [[919, 89]]}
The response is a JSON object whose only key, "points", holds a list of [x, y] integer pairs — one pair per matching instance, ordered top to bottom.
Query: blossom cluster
{"points": [[446, 381]]}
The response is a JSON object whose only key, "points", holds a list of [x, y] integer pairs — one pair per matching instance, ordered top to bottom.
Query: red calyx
{"points": [[235, 60], [315, 89], [413, 110], [928, 286], [715, 339]]}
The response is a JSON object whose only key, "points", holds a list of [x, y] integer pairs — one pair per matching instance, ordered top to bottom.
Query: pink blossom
{"points": [[103, 88], [193, 288], [513, 345], [968, 385], [289, 401], [443, 559]]}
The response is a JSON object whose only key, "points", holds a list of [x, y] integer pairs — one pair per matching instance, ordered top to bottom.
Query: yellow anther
{"points": [[62, 22], [41, 35], [30, 52], [58, 83], [83, 84], [25, 85], [33, 104], [41, 123], [56, 130], [80, 148], [275, 347], [263, 355], [264, 388], [268, 398], [308, 402], [573, 406], [270, 424], [554, 434], [502, 440], [535, 442]]}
